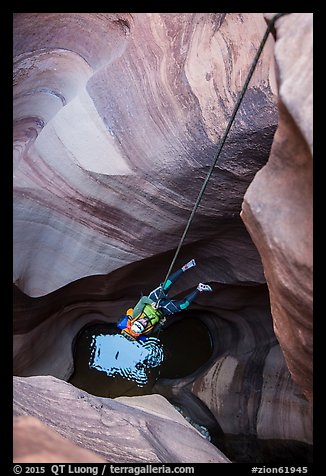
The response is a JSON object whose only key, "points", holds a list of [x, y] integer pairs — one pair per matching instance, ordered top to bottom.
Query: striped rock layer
{"points": [[117, 118]]}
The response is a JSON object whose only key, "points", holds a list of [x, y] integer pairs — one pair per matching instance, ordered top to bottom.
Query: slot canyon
{"points": [[117, 119]]}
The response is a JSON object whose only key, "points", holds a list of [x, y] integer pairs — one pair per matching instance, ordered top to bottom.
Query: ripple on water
{"points": [[115, 355], [109, 365]]}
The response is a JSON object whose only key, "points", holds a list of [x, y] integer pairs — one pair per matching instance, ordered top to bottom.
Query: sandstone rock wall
{"points": [[116, 121], [115, 131], [277, 207], [114, 431], [36, 442]]}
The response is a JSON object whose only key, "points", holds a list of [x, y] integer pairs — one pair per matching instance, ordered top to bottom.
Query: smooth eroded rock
{"points": [[115, 131], [277, 207], [115, 432], [35, 442]]}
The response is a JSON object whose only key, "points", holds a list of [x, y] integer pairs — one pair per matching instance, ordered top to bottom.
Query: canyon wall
{"points": [[117, 118], [114, 135], [277, 207]]}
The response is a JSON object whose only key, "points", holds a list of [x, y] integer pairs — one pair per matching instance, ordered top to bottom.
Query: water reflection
{"points": [[117, 356], [112, 366]]}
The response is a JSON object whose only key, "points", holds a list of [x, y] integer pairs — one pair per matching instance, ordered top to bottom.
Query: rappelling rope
{"points": [[221, 144]]}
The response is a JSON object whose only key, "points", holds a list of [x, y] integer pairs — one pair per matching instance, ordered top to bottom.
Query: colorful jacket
{"points": [[141, 310]]}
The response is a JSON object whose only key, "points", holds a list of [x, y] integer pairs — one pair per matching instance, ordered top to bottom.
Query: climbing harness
{"points": [[221, 144], [153, 317]]}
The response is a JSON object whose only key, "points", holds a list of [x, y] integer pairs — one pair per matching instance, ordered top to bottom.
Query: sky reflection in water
{"points": [[116, 355]]}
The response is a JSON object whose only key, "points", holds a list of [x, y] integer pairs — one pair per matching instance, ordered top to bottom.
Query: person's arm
{"points": [[138, 309], [122, 322]]}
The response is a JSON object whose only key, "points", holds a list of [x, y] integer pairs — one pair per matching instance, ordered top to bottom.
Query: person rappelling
{"points": [[151, 311]]}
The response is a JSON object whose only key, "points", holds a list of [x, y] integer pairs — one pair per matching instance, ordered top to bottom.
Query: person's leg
{"points": [[175, 276], [158, 293], [172, 306]]}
